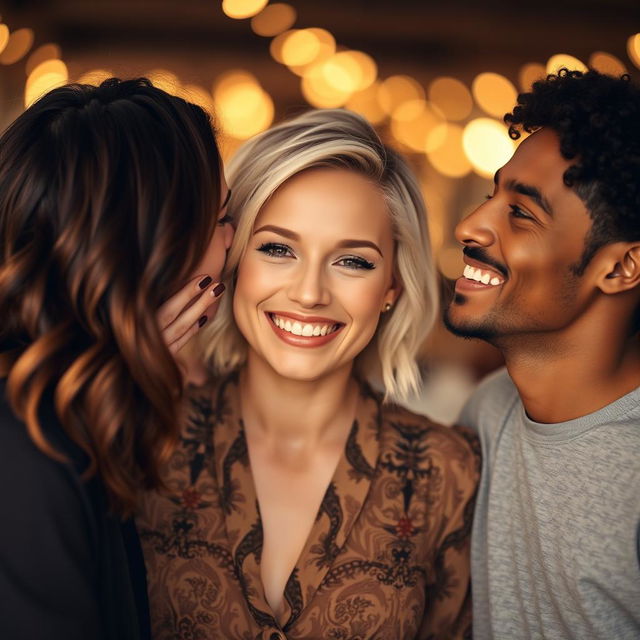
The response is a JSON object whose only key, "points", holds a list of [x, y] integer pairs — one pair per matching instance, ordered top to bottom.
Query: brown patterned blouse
{"points": [[387, 557]]}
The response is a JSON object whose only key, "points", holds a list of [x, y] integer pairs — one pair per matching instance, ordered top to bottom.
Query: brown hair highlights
{"points": [[108, 199]]}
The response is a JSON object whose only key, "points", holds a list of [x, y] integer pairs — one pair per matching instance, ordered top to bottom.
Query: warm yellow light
{"points": [[240, 9], [273, 19], [4, 37], [20, 42], [300, 47], [325, 47], [633, 49], [41, 54], [555, 63], [606, 63], [48, 66], [349, 71], [530, 73], [95, 76], [165, 80], [42, 85], [398, 89], [319, 92], [494, 93], [198, 95], [452, 98], [366, 103], [242, 106], [412, 122], [487, 145], [449, 158], [449, 261]]}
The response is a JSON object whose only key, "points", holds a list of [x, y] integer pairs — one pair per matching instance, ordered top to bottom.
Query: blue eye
{"points": [[517, 212], [275, 249], [356, 262]]}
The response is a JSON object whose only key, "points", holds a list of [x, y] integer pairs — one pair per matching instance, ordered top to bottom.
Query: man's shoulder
{"points": [[491, 402]]}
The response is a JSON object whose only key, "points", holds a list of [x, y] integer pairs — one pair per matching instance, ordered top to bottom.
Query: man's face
{"points": [[519, 249]]}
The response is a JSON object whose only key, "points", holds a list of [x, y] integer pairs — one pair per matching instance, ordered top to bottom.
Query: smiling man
{"points": [[552, 278]]}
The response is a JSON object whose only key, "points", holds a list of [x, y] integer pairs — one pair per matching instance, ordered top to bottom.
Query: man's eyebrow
{"points": [[526, 190], [226, 199], [343, 244]]}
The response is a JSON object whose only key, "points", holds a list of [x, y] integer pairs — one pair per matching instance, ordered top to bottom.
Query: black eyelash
{"points": [[488, 196], [517, 212], [226, 219], [274, 249], [358, 263]]}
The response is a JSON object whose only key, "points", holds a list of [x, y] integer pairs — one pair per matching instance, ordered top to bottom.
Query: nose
{"points": [[477, 228], [308, 286]]}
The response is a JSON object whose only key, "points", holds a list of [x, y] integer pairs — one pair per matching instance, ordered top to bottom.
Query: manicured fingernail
{"points": [[205, 282], [218, 289], [202, 321]]}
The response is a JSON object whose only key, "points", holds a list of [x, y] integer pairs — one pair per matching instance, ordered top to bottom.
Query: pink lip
{"points": [[302, 341]]}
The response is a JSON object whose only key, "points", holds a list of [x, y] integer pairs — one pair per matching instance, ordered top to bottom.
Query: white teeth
{"points": [[478, 275], [303, 329]]}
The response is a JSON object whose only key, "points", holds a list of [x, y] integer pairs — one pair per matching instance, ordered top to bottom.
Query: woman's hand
{"points": [[182, 315]]}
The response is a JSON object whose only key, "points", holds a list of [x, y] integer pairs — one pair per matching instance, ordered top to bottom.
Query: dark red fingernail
{"points": [[205, 282], [218, 289], [202, 321]]}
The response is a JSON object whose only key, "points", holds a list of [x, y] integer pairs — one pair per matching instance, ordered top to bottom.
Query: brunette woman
{"points": [[109, 198], [300, 502]]}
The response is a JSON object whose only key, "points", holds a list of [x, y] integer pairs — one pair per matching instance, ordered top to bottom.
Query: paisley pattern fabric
{"points": [[387, 557]]}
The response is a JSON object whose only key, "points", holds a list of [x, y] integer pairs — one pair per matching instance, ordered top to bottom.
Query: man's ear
{"points": [[620, 270]]}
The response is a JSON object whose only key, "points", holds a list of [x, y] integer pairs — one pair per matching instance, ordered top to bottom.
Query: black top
{"points": [[68, 569]]}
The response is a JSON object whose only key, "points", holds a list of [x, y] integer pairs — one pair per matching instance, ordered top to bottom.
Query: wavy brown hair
{"points": [[108, 199]]}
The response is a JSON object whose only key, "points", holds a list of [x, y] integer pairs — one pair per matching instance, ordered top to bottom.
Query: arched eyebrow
{"points": [[526, 190], [343, 244]]}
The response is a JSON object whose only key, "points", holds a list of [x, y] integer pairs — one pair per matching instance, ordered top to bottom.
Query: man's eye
{"points": [[517, 212], [275, 249], [355, 262]]}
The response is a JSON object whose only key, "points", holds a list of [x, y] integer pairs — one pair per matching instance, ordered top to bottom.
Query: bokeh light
{"points": [[240, 9], [274, 19], [4, 37], [322, 42], [19, 43], [300, 47], [633, 49], [41, 54], [555, 63], [606, 63], [530, 73], [48, 75], [95, 76], [165, 80], [398, 89], [319, 92], [494, 93], [452, 98], [366, 103], [241, 104], [412, 123], [487, 145], [449, 157]]}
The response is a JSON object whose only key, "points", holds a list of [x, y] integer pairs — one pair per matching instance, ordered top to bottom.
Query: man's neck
{"points": [[579, 377]]}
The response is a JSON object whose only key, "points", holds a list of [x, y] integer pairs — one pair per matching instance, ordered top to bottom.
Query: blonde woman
{"points": [[301, 503]]}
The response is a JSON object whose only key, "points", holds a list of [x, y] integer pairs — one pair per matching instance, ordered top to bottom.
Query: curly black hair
{"points": [[597, 118]]}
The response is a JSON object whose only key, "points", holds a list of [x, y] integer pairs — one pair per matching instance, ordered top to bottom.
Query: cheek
{"points": [[362, 298]]}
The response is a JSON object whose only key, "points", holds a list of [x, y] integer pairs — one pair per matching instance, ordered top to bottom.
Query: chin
{"points": [[467, 328]]}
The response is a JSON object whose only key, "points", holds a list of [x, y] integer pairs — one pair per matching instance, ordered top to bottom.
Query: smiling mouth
{"points": [[482, 276], [304, 329]]}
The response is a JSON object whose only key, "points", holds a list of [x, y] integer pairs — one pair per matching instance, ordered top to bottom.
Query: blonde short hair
{"points": [[344, 140]]}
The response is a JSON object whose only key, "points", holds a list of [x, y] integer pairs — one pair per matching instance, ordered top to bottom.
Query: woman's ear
{"points": [[620, 267]]}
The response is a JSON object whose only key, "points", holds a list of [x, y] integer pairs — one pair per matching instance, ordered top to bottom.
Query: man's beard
{"points": [[481, 331]]}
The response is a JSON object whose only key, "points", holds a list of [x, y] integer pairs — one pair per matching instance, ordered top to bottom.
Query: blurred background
{"points": [[434, 77]]}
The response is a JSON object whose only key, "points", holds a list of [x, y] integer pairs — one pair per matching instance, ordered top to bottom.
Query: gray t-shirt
{"points": [[556, 535]]}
